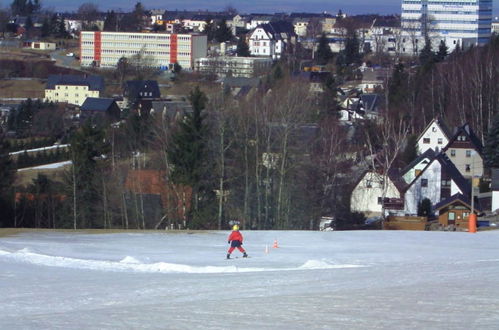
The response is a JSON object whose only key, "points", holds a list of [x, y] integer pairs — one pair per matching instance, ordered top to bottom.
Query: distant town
{"points": [[161, 119]]}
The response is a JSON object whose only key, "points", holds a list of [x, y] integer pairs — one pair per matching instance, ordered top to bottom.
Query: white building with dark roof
{"points": [[272, 39], [73, 89]]}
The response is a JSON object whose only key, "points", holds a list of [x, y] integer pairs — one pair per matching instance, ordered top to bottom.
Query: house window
{"points": [[433, 129], [426, 140], [440, 141], [452, 153], [468, 153], [467, 168], [424, 182], [446, 183], [369, 184], [466, 215], [452, 216]]}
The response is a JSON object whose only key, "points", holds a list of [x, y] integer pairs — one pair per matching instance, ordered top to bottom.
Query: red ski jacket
{"points": [[235, 236]]}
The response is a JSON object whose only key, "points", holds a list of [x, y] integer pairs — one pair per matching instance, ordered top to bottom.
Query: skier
{"points": [[236, 240]]}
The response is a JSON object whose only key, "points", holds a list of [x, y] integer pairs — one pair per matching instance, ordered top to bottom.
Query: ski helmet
{"points": [[235, 227]]}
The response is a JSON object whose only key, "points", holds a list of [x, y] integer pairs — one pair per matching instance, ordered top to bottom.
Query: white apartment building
{"points": [[463, 22], [104, 49], [223, 66], [72, 89]]}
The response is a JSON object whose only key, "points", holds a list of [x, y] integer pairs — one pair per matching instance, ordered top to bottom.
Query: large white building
{"points": [[457, 22], [104, 49], [224, 66]]}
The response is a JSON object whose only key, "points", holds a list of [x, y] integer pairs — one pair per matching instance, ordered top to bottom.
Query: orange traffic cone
{"points": [[275, 244]]}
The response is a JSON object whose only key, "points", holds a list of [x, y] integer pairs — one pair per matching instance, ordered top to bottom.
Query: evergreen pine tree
{"points": [[111, 21], [209, 29], [223, 32], [242, 47], [443, 51], [324, 53], [427, 56], [397, 86], [87, 145], [491, 149], [187, 153], [6, 165], [7, 175]]}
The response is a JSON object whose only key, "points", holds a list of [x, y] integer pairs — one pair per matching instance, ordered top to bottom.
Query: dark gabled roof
{"points": [[278, 27], [234, 82], [94, 83], [142, 89], [371, 102], [97, 104], [171, 108], [445, 129], [466, 129], [429, 153], [451, 170], [397, 180], [457, 198]]}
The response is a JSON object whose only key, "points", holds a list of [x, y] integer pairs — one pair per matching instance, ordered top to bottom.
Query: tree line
{"points": [[278, 159]]}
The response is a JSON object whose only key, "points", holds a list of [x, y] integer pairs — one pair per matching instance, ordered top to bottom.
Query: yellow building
{"points": [[73, 89]]}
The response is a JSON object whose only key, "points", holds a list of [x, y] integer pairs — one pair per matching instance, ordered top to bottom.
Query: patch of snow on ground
{"points": [[47, 166], [314, 280]]}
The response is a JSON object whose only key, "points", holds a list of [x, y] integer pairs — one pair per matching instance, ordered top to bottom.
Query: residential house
{"points": [[156, 16], [237, 23], [300, 25], [272, 39], [39, 45], [240, 85], [73, 89], [136, 90], [99, 110], [170, 110], [435, 136], [465, 151], [414, 168], [439, 180], [367, 196], [455, 211]]}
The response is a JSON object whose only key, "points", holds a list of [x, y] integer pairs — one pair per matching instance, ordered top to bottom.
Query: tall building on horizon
{"points": [[457, 22]]}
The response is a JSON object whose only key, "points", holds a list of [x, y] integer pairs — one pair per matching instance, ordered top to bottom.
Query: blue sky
{"points": [[246, 6]]}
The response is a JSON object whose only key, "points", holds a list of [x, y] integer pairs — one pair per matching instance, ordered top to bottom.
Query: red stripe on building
{"points": [[97, 47], [173, 48]]}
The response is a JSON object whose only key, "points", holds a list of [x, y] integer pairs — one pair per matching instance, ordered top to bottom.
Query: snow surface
{"points": [[55, 146], [47, 166], [314, 280]]}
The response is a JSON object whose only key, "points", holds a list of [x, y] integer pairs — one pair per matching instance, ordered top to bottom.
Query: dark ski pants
{"points": [[234, 245]]}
